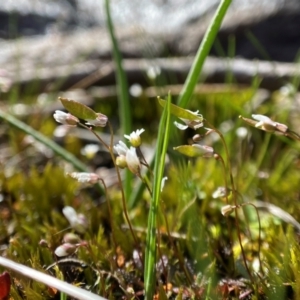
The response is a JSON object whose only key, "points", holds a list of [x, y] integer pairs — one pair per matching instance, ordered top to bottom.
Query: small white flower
{"points": [[65, 118], [180, 126], [134, 137], [121, 148], [90, 150], [133, 162], [84, 177], [220, 192], [227, 210], [77, 221]]}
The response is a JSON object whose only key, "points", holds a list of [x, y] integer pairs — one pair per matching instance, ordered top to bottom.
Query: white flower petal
{"points": [[180, 126], [134, 137], [121, 148], [133, 162], [163, 182], [70, 214]]}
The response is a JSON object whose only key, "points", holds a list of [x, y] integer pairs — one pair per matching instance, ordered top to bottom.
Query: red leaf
{"points": [[4, 285]]}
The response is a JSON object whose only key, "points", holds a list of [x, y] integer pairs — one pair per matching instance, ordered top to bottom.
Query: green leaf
{"points": [[77, 109], [181, 112], [195, 150]]}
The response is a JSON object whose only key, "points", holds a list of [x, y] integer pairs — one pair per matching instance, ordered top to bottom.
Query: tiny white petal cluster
{"points": [[180, 126], [134, 137], [121, 148], [127, 158], [84, 177]]}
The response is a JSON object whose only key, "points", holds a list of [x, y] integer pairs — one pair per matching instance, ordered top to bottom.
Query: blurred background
{"points": [[174, 26]]}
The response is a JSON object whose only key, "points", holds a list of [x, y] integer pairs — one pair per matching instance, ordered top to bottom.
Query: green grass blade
{"points": [[202, 53], [196, 68], [123, 96], [44, 140], [161, 150]]}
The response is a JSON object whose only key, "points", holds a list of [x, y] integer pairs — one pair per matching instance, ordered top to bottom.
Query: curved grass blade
{"points": [[202, 53], [123, 96]]}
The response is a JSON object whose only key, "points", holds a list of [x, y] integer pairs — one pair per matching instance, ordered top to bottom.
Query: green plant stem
{"points": [[202, 53], [195, 70], [122, 89], [161, 150], [111, 152], [234, 195], [110, 214]]}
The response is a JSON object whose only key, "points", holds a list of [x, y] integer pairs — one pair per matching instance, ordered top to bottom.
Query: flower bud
{"points": [[65, 118], [100, 121], [134, 137], [121, 148], [121, 162], [133, 162], [84, 177], [227, 210], [77, 221], [71, 238], [43, 243], [65, 249]]}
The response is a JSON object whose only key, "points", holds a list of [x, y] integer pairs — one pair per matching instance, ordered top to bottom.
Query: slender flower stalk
{"points": [[110, 150], [234, 195]]}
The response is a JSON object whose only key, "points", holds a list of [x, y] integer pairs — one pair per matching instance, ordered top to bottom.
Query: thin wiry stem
{"points": [[110, 149], [234, 196], [110, 213]]}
